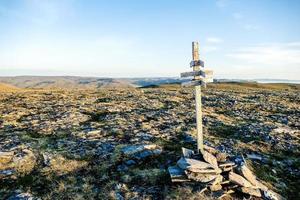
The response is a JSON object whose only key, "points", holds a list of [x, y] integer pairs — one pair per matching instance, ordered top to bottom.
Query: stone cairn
{"points": [[210, 167], [218, 174]]}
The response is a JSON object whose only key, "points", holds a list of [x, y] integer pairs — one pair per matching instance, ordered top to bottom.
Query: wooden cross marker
{"points": [[200, 77]]}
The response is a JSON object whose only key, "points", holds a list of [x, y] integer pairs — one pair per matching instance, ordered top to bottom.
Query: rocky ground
{"points": [[119, 143]]}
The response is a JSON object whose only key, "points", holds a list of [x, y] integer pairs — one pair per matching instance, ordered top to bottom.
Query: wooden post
{"points": [[195, 54]]}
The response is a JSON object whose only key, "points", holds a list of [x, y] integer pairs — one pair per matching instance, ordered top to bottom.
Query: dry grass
{"points": [[7, 88], [61, 165]]}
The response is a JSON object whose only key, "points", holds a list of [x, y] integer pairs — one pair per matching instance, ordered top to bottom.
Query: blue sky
{"points": [[143, 38]]}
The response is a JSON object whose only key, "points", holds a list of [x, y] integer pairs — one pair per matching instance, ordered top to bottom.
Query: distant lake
{"points": [[277, 81]]}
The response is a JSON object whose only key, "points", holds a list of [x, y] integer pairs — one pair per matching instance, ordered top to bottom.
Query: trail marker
{"points": [[201, 76]]}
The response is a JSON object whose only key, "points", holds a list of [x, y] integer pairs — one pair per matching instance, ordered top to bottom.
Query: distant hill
{"points": [[63, 82], [76, 82], [7, 88]]}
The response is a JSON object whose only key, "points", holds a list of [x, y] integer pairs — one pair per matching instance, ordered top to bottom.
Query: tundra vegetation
{"points": [[117, 143]]}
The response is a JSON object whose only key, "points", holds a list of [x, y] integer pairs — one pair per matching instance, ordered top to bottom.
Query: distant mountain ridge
{"points": [[77, 82]]}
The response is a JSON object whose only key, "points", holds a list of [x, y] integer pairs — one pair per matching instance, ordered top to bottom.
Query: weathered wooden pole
{"points": [[195, 54], [200, 78]]}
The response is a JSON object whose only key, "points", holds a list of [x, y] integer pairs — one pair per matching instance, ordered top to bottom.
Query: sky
{"points": [[150, 38]]}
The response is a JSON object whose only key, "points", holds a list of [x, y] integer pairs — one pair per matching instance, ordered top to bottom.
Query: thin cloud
{"points": [[277, 54]]}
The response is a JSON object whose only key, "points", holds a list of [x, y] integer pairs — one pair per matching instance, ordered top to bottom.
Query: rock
{"points": [[138, 148], [210, 150], [141, 152], [187, 153], [221, 157], [254, 157], [47, 158], [210, 158], [192, 164], [227, 164], [8, 173], [247, 173], [177, 174], [201, 177], [235, 178], [218, 180], [261, 186], [215, 187], [251, 191], [271, 195], [21, 196]]}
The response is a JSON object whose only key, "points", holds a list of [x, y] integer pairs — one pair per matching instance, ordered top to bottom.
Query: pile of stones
{"points": [[218, 174]]}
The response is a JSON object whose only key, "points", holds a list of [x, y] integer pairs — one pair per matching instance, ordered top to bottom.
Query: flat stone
{"points": [[138, 148], [210, 150], [187, 153], [221, 157], [254, 157], [210, 158], [187, 164], [227, 164], [203, 171], [7, 172], [247, 173], [177, 174], [203, 178], [235, 178], [261, 186], [251, 191]]}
